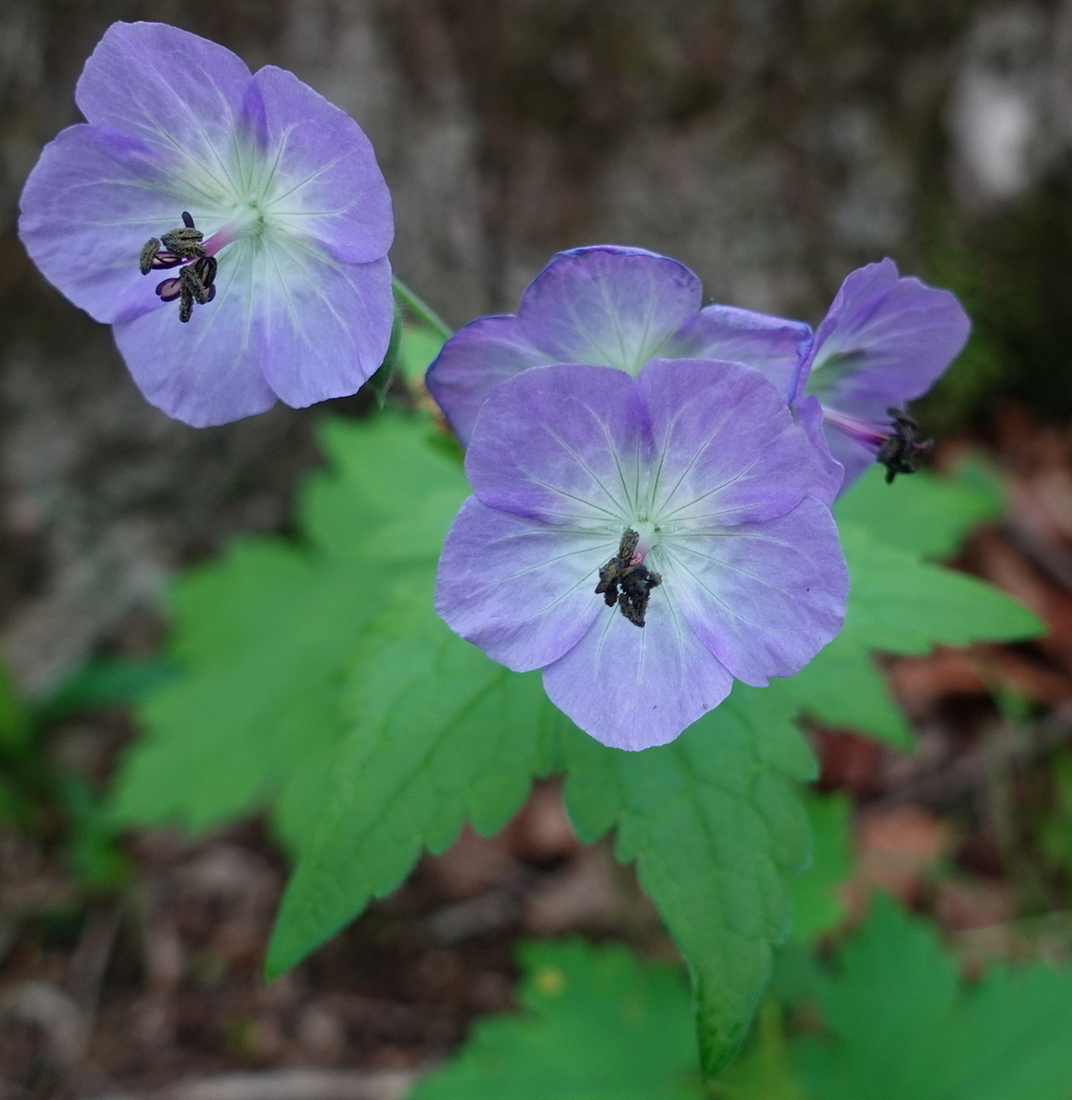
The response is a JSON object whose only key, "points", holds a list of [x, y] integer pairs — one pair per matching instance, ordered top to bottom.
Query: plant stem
{"points": [[419, 308]]}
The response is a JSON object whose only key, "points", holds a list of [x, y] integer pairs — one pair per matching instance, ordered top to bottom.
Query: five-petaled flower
{"points": [[265, 201], [884, 342], [643, 541]]}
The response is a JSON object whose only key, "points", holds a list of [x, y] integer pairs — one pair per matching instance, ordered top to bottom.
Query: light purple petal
{"points": [[175, 92], [326, 182], [90, 203], [608, 305], [321, 326], [884, 342], [771, 345], [475, 360], [204, 372], [563, 443], [727, 450], [828, 474], [521, 590], [764, 598], [632, 687]]}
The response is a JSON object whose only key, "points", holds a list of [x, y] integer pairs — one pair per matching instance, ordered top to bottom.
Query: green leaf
{"points": [[379, 471], [924, 514], [897, 604], [904, 606], [265, 637], [266, 656], [105, 681], [439, 735], [714, 821], [92, 844], [817, 905], [598, 1024], [903, 1027]]}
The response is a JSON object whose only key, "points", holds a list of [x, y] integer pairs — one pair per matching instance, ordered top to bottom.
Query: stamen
{"points": [[149, 252], [166, 259], [195, 281], [169, 289], [898, 449], [901, 452], [626, 581]]}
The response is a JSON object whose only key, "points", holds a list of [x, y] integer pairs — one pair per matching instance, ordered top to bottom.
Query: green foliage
{"points": [[418, 348], [923, 514], [900, 603], [267, 637], [315, 679], [103, 682], [438, 735], [714, 822], [1055, 831], [91, 848], [817, 906], [898, 1022], [597, 1025], [903, 1026], [765, 1072]]}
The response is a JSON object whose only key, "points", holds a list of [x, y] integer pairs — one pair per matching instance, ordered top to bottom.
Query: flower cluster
{"points": [[263, 199], [884, 342], [679, 462], [652, 478]]}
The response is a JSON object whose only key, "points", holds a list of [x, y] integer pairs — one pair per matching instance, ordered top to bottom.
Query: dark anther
{"points": [[185, 241], [147, 259], [195, 280], [901, 452], [626, 582]]}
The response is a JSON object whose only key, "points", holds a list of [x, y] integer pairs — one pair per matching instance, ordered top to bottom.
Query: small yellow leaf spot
{"points": [[550, 981]]}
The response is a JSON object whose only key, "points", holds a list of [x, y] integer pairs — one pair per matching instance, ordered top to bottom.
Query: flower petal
{"points": [[174, 91], [326, 183], [90, 203], [608, 305], [323, 326], [885, 341], [771, 345], [475, 360], [206, 371], [562, 443], [726, 445], [853, 456], [828, 473], [522, 591], [763, 597], [635, 687]]}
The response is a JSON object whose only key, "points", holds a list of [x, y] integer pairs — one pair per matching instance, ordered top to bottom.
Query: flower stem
{"points": [[419, 308]]}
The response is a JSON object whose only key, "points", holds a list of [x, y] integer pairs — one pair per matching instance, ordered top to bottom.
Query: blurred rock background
{"points": [[773, 145]]}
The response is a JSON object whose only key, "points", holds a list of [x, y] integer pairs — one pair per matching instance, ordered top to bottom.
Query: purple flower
{"points": [[254, 208], [608, 306], [884, 342], [643, 541]]}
